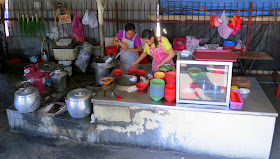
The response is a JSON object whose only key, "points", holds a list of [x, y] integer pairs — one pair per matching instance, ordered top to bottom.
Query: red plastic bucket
{"points": [[111, 49], [145, 60]]}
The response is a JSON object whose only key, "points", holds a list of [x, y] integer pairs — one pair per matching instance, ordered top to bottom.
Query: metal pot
{"points": [[102, 69], [60, 79], [27, 99], [78, 103]]}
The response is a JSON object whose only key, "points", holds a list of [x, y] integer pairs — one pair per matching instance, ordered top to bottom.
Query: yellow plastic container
{"points": [[159, 74], [234, 87]]}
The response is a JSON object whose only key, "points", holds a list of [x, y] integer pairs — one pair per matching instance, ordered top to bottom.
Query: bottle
{"points": [[45, 57]]}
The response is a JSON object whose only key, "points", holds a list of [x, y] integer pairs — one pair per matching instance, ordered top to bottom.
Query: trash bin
{"points": [[111, 49]]}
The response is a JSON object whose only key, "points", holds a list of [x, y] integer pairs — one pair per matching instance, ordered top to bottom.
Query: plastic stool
{"points": [[278, 91]]}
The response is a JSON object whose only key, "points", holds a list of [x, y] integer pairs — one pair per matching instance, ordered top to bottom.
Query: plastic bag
{"points": [[85, 19], [90, 19], [215, 20], [93, 23], [235, 24], [77, 28], [224, 30], [53, 33], [188, 40], [179, 43], [239, 45], [84, 56]]}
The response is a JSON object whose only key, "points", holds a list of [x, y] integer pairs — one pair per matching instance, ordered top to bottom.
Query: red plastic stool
{"points": [[278, 91]]}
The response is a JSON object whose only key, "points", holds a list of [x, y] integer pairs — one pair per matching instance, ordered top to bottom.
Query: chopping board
{"points": [[240, 82]]}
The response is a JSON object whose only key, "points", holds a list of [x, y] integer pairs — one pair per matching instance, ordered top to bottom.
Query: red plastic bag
{"points": [[215, 20], [235, 24], [77, 28], [179, 43]]}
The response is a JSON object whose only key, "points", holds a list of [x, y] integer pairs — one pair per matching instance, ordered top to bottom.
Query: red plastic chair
{"points": [[278, 91]]}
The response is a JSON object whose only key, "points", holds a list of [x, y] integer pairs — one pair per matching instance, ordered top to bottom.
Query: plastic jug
{"points": [[44, 57]]}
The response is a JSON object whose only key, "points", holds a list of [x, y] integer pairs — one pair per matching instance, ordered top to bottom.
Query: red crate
{"points": [[238, 103]]}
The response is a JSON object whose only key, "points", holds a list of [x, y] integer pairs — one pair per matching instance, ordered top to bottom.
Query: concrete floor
{"points": [[25, 146]]}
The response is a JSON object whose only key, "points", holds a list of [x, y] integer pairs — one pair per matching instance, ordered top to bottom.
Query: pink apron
{"points": [[159, 55]]}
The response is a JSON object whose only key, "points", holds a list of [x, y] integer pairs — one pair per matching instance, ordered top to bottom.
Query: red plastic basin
{"points": [[132, 71], [117, 72], [141, 72], [141, 85]]}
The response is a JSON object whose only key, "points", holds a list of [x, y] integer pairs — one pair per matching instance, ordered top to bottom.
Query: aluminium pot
{"points": [[60, 79], [27, 99], [78, 103]]}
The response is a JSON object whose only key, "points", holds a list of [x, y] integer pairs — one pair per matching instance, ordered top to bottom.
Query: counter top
{"points": [[255, 103]]}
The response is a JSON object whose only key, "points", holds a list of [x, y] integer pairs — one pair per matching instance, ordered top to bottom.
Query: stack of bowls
{"points": [[170, 77], [157, 89], [170, 92]]}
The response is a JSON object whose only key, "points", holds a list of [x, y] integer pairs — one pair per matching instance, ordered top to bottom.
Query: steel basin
{"points": [[127, 80]]}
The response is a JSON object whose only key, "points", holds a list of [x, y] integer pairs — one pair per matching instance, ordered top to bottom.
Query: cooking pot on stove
{"points": [[27, 99], [78, 103]]}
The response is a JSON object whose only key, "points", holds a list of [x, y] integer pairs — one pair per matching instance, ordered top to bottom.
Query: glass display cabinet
{"points": [[203, 82]]}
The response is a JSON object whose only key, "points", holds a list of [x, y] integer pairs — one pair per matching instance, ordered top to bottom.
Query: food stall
{"points": [[199, 121]]}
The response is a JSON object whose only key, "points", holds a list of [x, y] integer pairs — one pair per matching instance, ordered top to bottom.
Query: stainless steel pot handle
{"points": [[51, 73]]}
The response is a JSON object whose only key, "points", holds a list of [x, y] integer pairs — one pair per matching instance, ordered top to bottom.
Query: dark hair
{"points": [[129, 26], [148, 33]]}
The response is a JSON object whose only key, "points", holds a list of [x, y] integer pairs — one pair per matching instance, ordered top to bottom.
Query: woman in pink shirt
{"points": [[130, 42]]}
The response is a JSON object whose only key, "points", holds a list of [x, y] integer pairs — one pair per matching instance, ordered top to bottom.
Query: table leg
{"points": [[251, 65], [242, 68]]}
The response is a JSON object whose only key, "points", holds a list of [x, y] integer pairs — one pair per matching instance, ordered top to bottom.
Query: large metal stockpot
{"points": [[101, 68], [27, 99], [78, 103]]}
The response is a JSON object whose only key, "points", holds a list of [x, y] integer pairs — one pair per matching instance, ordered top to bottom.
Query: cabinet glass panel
{"points": [[200, 82]]}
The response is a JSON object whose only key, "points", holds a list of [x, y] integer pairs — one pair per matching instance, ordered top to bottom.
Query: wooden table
{"points": [[252, 55]]}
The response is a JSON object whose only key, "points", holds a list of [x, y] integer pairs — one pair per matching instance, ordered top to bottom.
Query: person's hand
{"points": [[123, 45], [134, 64], [157, 67]]}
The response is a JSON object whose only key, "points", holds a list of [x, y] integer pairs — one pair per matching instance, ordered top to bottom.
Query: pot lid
{"points": [[48, 66], [35, 75], [29, 91], [79, 94]]}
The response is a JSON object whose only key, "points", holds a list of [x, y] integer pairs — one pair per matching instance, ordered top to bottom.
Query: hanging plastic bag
{"points": [[85, 19], [215, 20], [93, 23], [237, 26], [77, 28], [224, 30], [84, 56]]}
